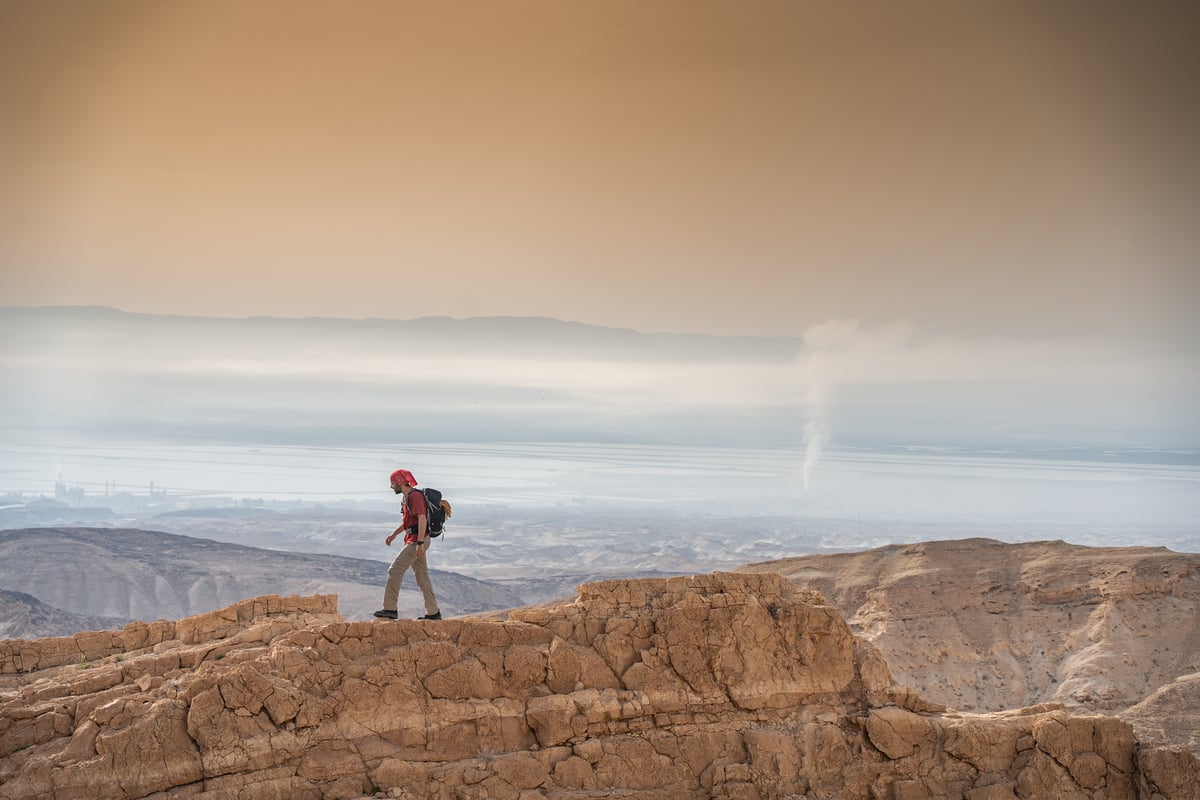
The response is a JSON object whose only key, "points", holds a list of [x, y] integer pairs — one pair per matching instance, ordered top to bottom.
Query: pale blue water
{"points": [[1116, 502]]}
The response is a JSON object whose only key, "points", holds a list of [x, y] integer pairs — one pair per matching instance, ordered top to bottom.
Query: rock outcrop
{"points": [[984, 626], [212, 634], [713, 686], [1169, 716]]}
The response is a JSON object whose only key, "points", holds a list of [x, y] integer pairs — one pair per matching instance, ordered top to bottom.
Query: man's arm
{"points": [[422, 539]]}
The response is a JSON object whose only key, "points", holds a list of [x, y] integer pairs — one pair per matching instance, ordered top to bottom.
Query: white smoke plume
{"points": [[823, 344], [816, 430]]}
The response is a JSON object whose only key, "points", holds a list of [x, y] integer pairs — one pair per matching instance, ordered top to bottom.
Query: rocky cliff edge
{"points": [[712, 686]]}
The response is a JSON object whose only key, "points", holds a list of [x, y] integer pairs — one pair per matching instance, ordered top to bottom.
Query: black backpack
{"points": [[437, 513]]}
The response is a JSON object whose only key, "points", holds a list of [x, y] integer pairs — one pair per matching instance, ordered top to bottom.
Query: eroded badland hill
{"points": [[983, 626], [714, 686]]}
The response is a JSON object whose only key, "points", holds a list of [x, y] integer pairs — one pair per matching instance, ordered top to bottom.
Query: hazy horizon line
{"points": [[423, 317]]}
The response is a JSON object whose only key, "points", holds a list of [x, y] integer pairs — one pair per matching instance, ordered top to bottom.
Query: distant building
{"points": [[72, 496]]}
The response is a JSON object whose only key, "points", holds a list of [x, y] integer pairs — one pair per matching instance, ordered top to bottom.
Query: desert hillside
{"points": [[137, 574], [23, 616], [983, 626], [713, 686]]}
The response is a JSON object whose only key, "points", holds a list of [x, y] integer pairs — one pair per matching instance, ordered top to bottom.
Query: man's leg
{"points": [[403, 560], [420, 568]]}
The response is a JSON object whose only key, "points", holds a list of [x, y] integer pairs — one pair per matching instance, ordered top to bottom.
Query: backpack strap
{"points": [[416, 526]]}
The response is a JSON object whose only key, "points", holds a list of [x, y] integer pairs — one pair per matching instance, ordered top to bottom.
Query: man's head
{"points": [[402, 479]]}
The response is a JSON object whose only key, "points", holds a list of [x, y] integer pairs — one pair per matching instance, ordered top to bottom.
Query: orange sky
{"points": [[733, 167]]}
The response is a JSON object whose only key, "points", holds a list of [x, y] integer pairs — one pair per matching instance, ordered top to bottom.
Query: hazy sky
{"points": [[735, 167]]}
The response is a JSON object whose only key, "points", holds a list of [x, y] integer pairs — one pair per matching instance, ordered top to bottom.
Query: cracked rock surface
{"points": [[710, 686]]}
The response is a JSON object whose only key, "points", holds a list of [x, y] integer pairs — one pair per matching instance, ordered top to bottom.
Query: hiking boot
{"points": [[385, 614], [434, 615]]}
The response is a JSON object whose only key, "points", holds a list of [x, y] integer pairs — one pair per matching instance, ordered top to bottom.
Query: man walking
{"points": [[414, 524]]}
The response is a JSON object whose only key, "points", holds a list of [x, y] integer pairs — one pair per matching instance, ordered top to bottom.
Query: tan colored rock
{"points": [[979, 625], [20, 656], [713, 686], [1169, 716], [898, 733], [1168, 772]]}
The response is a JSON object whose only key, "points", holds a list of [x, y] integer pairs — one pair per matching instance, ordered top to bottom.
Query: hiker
{"points": [[414, 525]]}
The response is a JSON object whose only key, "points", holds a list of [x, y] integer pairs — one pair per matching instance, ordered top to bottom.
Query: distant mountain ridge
{"points": [[529, 334], [138, 574], [23, 616]]}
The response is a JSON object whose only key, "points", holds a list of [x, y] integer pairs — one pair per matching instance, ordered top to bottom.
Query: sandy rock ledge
{"points": [[713, 686]]}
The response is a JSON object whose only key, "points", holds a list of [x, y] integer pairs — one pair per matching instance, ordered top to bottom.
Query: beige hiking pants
{"points": [[407, 557]]}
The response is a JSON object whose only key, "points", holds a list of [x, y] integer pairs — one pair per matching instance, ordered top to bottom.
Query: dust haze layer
{"points": [[89, 374]]}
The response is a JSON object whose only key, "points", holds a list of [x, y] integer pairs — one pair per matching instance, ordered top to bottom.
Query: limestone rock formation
{"points": [[980, 625], [712, 686], [1171, 715]]}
